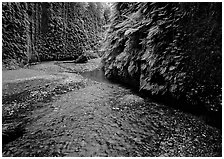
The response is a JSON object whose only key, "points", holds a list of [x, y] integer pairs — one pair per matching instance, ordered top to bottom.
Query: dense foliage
{"points": [[50, 31], [14, 43], [170, 49]]}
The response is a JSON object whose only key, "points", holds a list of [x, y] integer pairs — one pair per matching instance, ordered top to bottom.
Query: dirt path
{"points": [[102, 119]]}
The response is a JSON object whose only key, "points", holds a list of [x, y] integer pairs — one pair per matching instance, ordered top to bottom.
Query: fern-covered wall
{"points": [[14, 29], [49, 31], [169, 49]]}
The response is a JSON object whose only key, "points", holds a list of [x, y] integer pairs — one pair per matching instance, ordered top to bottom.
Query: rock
{"points": [[91, 54], [131, 99]]}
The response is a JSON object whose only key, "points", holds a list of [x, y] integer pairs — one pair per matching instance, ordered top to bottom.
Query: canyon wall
{"points": [[34, 32], [171, 50]]}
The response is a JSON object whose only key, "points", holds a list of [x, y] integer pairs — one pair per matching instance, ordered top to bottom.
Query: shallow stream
{"points": [[96, 75]]}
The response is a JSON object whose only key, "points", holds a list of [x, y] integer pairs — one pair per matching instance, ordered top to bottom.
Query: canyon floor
{"points": [[54, 109]]}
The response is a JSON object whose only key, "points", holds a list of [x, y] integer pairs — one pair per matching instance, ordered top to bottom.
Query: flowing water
{"points": [[96, 75]]}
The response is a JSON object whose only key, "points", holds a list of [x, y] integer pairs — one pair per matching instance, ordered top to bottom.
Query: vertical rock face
{"points": [[49, 31], [169, 49]]}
